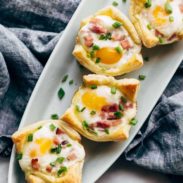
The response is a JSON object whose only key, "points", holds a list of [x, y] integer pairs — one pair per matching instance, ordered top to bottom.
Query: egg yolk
{"points": [[160, 16], [108, 55], [93, 101], [44, 145], [33, 153]]}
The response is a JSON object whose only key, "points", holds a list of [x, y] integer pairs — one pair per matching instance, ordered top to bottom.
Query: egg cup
{"points": [[147, 30], [124, 56], [104, 109], [39, 143]]}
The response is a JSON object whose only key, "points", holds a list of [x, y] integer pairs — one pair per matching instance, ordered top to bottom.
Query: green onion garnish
{"points": [[115, 3], [148, 4], [168, 8], [171, 18], [116, 25], [149, 26], [161, 40], [95, 47], [118, 49], [97, 60], [142, 77], [65, 78], [71, 82], [93, 87], [113, 90], [61, 93], [123, 99], [121, 108], [92, 113], [118, 114], [54, 116], [133, 121], [85, 125], [52, 127], [106, 130], [30, 138], [69, 145], [56, 150], [19, 156], [60, 160], [62, 170]]}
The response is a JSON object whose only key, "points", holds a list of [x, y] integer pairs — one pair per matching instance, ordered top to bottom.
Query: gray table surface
{"points": [[121, 171]]}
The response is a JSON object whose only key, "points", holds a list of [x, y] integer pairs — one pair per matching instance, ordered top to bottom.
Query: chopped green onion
{"points": [[124, 1], [115, 3], [148, 4], [168, 8], [171, 18], [116, 25], [149, 26], [105, 37], [161, 40], [95, 47], [118, 49], [92, 54], [146, 59], [97, 60], [142, 77], [65, 78], [71, 82], [93, 87], [113, 90], [61, 93], [123, 99], [77, 108], [121, 108], [92, 113], [118, 114], [54, 116], [133, 121], [85, 125], [39, 127], [52, 127], [106, 130], [30, 138], [69, 145], [56, 150], [19, 156], [60, 160], [52, 164], [62, 170]]}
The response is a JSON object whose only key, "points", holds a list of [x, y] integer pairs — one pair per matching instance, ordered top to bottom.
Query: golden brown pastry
{"points": [[157, 21], [107, 43], [103, 109], [50, 152]]}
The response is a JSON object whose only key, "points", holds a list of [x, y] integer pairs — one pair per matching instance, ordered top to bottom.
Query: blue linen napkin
{"points": [[29, 30]]}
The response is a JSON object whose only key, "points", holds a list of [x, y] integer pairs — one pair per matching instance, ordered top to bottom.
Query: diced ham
{"points": [[181, 7], [95, 20], [98, 29], [157, 33], [116, 36], [172, 37], [88, 39], [125, 44], [128, 105], [110, 108], [105, 124], [59, 131], [56, 141], [65, 142], [72, 156], [35, 164], [49, 168]]}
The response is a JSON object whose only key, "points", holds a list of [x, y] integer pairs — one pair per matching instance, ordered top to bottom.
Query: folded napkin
{"points": [[29, 30]]}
